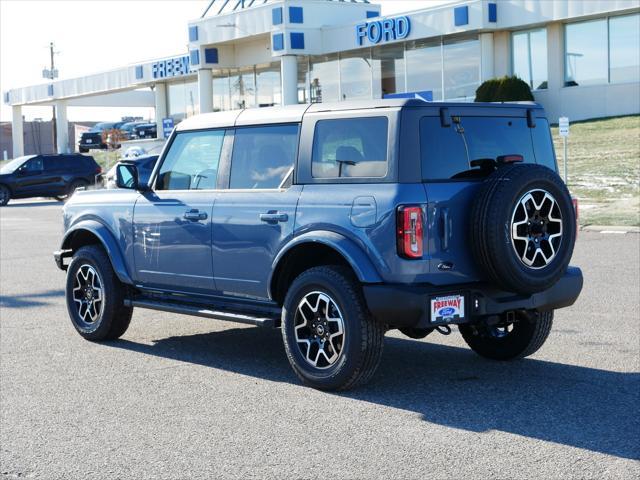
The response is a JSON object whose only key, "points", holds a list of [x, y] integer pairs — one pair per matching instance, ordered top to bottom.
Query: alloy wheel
{"points": [[536, 228], [88, 294], [319, 330]]}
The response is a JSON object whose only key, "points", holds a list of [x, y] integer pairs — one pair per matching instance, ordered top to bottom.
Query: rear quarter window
{"points": [[350, 147], [446, 152]]}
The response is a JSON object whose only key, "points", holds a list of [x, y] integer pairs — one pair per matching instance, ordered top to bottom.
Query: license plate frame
{"points": [[447, 308]]}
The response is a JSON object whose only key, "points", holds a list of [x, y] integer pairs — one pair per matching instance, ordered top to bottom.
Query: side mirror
{"points": [[127, 177]]}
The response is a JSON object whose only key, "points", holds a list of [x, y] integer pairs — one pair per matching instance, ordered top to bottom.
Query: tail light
{"points": [[98, 170], [410, 232]]}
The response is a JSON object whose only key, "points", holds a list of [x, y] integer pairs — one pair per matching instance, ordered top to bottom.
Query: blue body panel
{"points": [[108, 214], [244, 246], [170, 251]]}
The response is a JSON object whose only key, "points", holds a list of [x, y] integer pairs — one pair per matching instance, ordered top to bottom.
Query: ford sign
{"points": [[384, 30]]}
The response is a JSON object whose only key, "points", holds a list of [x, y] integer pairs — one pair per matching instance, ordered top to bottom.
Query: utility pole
{"points": [[53, 107]]}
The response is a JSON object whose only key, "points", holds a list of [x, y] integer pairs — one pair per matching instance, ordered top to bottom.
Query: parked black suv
{"points": [[93, 138], [55, 176]]}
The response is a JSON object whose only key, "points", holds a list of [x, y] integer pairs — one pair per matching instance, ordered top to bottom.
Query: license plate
{"points": [[88, 140], [447, 309]]}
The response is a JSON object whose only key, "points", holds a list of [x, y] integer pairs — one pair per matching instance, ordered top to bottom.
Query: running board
{"points": [[203, 311]]}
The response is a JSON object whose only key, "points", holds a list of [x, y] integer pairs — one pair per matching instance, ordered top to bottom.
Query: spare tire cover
{"points": [[523, 228]]}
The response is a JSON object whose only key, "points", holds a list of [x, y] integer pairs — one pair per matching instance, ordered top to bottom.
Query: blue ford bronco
{"points": [[336, 222]]}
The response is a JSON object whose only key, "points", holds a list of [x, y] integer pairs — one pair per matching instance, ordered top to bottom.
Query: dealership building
{"points": [[581, 59]]}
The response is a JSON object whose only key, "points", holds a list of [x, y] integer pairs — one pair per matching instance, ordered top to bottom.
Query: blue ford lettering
{"points": [[384, 30], [172, 67], [445, 312]]}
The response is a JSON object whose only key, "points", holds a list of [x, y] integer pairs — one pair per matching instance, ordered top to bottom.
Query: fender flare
{"points": [[108, 241], [355, 256]]}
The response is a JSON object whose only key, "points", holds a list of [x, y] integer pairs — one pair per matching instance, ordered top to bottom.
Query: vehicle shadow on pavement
{"points": [[29, 299], [566, 404]]}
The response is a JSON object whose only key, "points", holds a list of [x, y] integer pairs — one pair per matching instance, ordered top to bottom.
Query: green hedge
{"points": [[505, 89]]}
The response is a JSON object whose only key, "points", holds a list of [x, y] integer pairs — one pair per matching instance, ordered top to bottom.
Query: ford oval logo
{"points": [[446, 311]]}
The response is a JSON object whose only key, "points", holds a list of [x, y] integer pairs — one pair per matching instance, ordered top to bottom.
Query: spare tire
{"points": [[523, 228]]}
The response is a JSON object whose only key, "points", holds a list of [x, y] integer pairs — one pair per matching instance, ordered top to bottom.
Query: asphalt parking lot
{"points": [[180, 397]]}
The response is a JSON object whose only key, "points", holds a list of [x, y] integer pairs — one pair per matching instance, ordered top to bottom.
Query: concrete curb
{"points": [[611, 229]]}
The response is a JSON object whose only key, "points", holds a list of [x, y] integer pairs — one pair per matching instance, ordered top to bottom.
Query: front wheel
{"points": [[5, 195], [95, 296], [513, 336], [331, 340]]}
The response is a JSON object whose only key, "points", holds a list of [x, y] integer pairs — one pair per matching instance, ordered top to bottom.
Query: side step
{"points": [[203, 311]]}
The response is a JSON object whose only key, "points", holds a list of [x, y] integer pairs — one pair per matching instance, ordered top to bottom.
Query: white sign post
{"points": [[563, 130]]}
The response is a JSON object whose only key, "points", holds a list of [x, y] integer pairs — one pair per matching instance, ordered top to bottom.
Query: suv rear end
{"points": [[433, 201]]}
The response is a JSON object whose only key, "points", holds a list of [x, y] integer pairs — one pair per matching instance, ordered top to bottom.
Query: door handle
{"points": [[195, 215], [274, 217]]}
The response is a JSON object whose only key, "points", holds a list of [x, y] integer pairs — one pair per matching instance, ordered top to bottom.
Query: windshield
{"points": [[98, 127], [13, 165]]}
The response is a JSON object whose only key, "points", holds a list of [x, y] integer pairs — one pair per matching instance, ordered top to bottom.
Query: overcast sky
{"points": [[96, 35]]}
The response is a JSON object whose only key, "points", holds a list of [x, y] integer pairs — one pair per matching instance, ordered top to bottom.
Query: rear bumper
{"points": [[409, 305]]}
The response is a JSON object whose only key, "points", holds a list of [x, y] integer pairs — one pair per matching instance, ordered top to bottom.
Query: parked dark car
{"points": [[129, 129], [146, 130], [93, 138], [143, 163], [56, 176], [337, 222]]}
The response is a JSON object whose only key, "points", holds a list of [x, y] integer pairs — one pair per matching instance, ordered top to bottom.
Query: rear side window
{"points": [[351, 147], [447, 152], [263, 156], [192, 161]]}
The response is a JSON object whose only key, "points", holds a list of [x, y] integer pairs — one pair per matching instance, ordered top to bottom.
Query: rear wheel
{"points": [[72, 188], [5, 195], [95, 296], [512, 337], [331, 340]]}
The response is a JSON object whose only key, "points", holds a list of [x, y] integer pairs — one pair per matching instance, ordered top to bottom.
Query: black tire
{"points": [[72, 188], [5, 195], [493, 212], [113, 317], [525, 338], [361, 345]]}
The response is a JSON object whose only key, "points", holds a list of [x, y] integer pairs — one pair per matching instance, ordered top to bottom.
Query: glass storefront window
{"points": [[624, 45], [586, 53], [530, 57], [424, 67], [461, 68], [388, 70], [355, 74], [324, 78], [303, 79], [268, 84], [243, 89], [221, 92], [191, 98], [182, 99]]}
